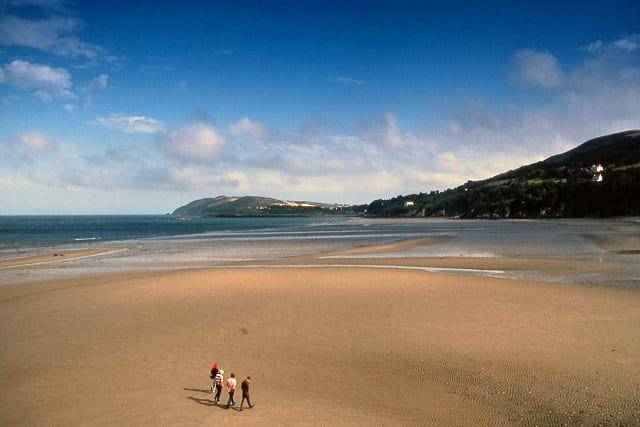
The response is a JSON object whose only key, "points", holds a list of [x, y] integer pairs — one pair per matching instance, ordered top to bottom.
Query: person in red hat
{"points": [[212, 376]]}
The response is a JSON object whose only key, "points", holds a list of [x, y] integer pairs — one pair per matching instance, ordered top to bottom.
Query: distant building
{"points": [[597, 173], [408, 203]]}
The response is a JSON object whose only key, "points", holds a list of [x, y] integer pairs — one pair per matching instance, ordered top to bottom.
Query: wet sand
{"points": [[53, 256], [325, 344]]}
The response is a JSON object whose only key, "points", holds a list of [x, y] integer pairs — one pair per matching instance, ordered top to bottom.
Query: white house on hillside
{"points": [[597, 172]]}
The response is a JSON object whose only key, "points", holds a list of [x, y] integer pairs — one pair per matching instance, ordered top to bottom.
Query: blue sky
{"points": [[140, 107]]}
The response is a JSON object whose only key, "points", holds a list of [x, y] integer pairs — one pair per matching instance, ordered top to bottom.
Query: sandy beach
{"points": [[327, 340]]}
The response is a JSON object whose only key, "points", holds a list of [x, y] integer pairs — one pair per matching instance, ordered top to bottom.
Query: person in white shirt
{"points": [[217, 385], [231, 389]]}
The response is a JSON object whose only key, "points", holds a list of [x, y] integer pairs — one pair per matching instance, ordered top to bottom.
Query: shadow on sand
{"points": [[199, 390], [202, 401], [207, 401]]}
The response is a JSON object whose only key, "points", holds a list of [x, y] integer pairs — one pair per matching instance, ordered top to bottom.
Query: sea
{"points": [[32, 232], [157, 242]]}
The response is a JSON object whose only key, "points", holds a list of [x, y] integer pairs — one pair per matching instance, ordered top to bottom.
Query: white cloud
{"points": [[55, 32], [627, 44], [594, 47], [537, 68], [348, 81], [99, 82], [47, 83], [598, 96], [131, 124], [245, 126], [384, 135], [394, 137], [34, 142], [192, 143], [379, 146], [23, 149], [377, 158], [447, 160], [227, 181]]}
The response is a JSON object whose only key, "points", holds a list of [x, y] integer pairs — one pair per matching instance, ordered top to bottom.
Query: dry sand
{"points": [[324, 344]]}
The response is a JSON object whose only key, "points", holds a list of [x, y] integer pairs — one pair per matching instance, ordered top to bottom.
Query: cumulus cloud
{"points": [[537, 68], [47, 83], [598, 95], [131, 124], [192, 143], [379, 145], [380, 156]]}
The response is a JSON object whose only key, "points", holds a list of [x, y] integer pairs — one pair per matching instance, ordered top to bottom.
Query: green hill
{"points": [[561, 186], [255, 206]]}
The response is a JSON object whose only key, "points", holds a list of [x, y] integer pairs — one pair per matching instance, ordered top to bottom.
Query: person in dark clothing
{"points": [[214, 370], [212, 376], [245, 392]]}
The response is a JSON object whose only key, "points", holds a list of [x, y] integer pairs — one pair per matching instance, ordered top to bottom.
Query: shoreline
{"points": [[390, 255], [56, 256]]}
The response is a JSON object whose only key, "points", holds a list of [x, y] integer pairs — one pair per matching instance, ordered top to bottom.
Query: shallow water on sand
{"points": [[586, 240]]}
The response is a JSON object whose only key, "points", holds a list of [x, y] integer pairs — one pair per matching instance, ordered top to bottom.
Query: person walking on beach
{"points": [[214, 370], [212, 375], [217, 383], [231, 389], [245, 392]]}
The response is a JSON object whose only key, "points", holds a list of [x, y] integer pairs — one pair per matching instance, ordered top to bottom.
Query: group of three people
{"points": [[217, 375]]}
